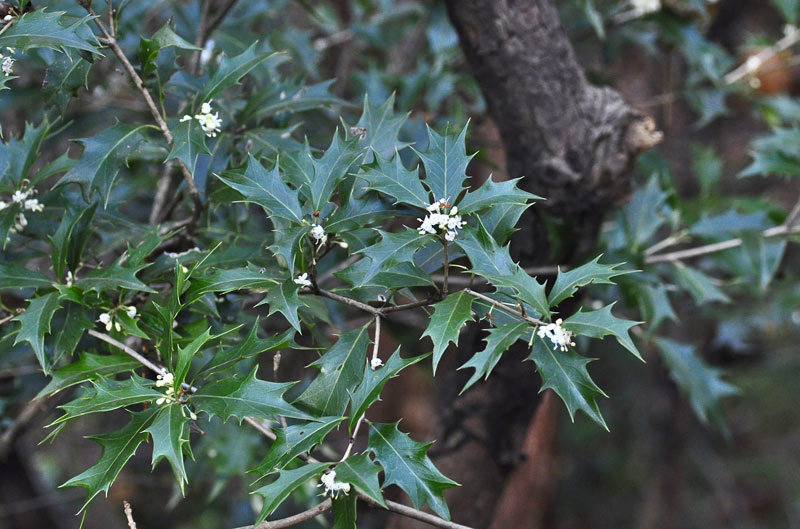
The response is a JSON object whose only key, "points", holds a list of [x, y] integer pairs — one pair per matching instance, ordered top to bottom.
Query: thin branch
{"points": [[218, 18], [111, 42], [754, 62], [666, 243], [679, 255], [446, 269], [347, 301], [408, 306], [529, 319], [127, 350], [127, 507], [410, 512], [294, 519]]}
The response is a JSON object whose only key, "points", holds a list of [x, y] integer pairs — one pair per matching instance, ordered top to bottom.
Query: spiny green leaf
{"points": [[43, 29], [231, 70], [65, 76], [291, 97], [380, 128], [189, 141], [18, 156], [103, 156], [445, 164], [324, 173], [391, 178], [266, 188], [492, 193], [359, 212], [641, 217], [70, 239], [392, 249], [485, 255], [763, 257], [15, 276], [401, 276], [113, 277], [223, 281], [567, 283], [699, 285], [526, 288], [284, 299], [655, 305], [449, 316], [76, 322], [35, 323], [600, 323], [497, 343], [251, 346], [89, 366], [340, 369], [565, 373], [372, 383], [702, 384], [105, 395], [245, 397], [170, 433], [293, 441], [118, 448], [406, 464], [361, 472], [288, 480], [345, 511]]}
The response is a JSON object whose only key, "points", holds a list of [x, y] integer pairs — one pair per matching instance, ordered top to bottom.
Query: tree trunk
{"points": [[575, 144]]}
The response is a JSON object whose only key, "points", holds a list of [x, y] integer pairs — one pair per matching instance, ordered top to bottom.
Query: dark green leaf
{"points": [[43, 29], [231, 70], [65, 76], [379, 127], [189, 141], [445, 164], [391, 178], [492, 193], [392, 249], [15, 276], [113, 277], [567, 283], [699, 285], [284, 299], [449, 316], [35, 323], [599, 323], [497, 343], [251, 346], [88, 367], [340, 369], [565, 373], [245, 397], [170, 433], [293, 441], [118, 448], [407, 465], [361, 472], [285, 484], [345, 511]]}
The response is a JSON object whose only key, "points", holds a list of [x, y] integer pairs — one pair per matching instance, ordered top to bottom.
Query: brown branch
{"points": [[111, 42], [679, 255], [487, 299], [348, 301], [129, 515], [294, 519]]}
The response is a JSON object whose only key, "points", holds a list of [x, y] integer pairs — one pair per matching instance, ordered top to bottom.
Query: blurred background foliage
{"points": [[673, 459]]}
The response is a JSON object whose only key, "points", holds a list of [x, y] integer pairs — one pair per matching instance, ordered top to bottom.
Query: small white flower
{"points": [[643, 7], [207, 52], [8, 65], [205, 108], [187, 117], [210, 123], [20, 195], [33, 204], [3, 205], [440, 220], [318, 233], [70, 278], [303, 280], [131, 311], [105, 319], [554, 332], [375, 363], [166, 379], [160, 401], [193, 415], [333, 487]]}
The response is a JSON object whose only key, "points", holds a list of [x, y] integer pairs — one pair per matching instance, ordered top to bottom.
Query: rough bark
{"points": [[574, 144]]}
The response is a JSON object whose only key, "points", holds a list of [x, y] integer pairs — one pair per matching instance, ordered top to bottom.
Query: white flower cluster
{"points": [[644, 7], [7, 63], [210, 123], [22, 197], [442, 218], [318, 233], [303, 280], [107, 318], [557, 334], [166, 380], [333, 487]]}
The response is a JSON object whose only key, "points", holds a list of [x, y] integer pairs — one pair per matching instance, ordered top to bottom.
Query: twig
{"points": [[8, 25], [111, 42], [754, 62], [666, 243], [717, 246], [446, 270], [464, 280], [348, 301], [408, 306], [7, 318], [529, 319], [376, 345], [127, 507], [410, 512], [294, 519]]}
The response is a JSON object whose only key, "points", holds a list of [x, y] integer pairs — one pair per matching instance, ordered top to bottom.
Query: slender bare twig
{"points": [[111, 42], [754, 62], [667, 242], [717, 246], [446, 271], [487, 299], [348, 301], [409, 306], [376, 345], [127, 507], [410, 512], [294, 519]]}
